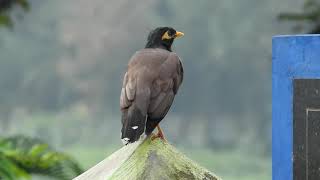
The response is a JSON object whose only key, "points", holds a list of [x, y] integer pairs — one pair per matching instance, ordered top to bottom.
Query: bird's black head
{"points": [[162, 37]]}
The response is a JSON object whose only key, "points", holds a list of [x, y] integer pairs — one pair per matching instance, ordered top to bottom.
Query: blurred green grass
{"points": [[229, 165]]}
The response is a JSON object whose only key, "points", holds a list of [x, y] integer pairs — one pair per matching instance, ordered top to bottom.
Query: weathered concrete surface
{"points": [[149, 160]]}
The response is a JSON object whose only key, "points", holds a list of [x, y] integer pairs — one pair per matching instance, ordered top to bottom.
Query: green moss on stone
{"points": [[158, 160]]}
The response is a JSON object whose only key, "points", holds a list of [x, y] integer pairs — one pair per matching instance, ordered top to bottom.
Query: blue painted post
{"points": [[294, 57]]}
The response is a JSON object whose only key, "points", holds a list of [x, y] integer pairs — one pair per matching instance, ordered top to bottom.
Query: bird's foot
{"points": [[158, 135]]}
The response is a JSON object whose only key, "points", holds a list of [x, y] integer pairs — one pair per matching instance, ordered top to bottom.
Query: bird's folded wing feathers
{"points": [[169, 77], [178, 78], [166, 86], [128, 91]]}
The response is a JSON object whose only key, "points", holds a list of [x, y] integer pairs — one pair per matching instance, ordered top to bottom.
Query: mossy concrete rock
{"points": [[149, 160]]}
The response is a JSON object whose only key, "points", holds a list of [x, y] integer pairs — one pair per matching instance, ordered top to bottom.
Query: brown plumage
{"points": [[153, 78]]}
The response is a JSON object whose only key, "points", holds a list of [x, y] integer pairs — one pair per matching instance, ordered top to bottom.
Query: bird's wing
{"points": [[143, 68], [178, 77], [165, 86], [128, 92]]}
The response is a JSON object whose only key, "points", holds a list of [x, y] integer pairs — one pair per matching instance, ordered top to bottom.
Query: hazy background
{"points": [[62, 63]]}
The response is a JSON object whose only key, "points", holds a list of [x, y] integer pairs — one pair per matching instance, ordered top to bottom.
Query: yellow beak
{"points": [[179, 34]]}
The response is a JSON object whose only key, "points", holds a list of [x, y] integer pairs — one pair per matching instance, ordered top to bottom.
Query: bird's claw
{"points": [[158, 135]]}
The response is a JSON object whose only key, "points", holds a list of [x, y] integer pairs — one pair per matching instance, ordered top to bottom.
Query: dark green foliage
{"points": [[6, 6], [310, 15], [5, 20], [21, 156], [9, 170]]}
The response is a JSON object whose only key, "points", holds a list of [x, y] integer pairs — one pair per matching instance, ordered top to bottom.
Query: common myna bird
{"points": [[152, 80]]}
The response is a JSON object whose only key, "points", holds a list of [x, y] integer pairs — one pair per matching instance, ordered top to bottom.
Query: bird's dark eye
{"points": [[171, 32]]}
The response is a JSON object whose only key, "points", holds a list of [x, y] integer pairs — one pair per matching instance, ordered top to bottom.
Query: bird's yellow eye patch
{"points": [[166, 36]]}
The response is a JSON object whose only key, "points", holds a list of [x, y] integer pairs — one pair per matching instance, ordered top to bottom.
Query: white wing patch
{"points": [[135, 127]]}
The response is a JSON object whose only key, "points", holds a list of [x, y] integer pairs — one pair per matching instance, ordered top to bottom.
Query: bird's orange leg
{"points": [[159, 134]]}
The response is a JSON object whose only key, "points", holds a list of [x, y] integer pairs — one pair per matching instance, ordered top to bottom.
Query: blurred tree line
{"points": [[6, 6], [308, 20], [63, 59]]}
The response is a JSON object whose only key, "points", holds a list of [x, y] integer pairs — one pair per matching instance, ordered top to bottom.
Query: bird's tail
{"points": [[133, 124]]}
